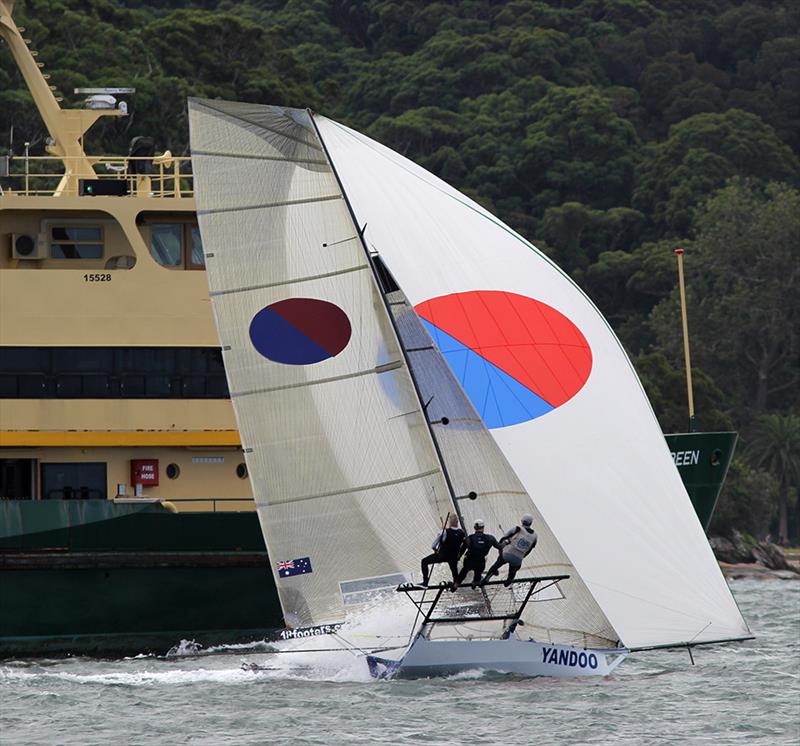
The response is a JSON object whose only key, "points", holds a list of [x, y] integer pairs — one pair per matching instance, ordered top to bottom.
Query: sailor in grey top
{"points": [[517, 543]]}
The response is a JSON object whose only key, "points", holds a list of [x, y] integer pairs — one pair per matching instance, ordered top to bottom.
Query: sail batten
{"points": [[247, 156], [267, 206], [293, 281], [392, 365], [354, 490]]}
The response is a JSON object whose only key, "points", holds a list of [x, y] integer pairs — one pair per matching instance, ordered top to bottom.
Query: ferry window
{"points": [[76, 242], [166, 243], [177, 244], [196, 258], [28, 359], [82, 359], [112, 372], [8, 387], [173, 471], [73, 481]]}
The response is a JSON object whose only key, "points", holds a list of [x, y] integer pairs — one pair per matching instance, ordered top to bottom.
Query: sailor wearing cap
{"points": [[516, 544], [477, 546]]}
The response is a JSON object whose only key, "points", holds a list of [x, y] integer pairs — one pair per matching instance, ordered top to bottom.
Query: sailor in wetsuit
{"points": [[516, 544], [477, 546], [446, 548]]}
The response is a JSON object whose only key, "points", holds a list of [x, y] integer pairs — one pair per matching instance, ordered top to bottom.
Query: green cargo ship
{"points": [[97, 578]]}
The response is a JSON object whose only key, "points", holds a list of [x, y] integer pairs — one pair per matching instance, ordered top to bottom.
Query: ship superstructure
{"points": [[111, 378], [126, 515]]}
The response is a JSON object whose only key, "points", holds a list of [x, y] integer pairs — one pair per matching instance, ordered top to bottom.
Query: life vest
{"points": [[520, 544]]}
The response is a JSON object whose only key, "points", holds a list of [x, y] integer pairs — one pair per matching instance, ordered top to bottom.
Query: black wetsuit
{"points": [[477, 546], [448, 550]]}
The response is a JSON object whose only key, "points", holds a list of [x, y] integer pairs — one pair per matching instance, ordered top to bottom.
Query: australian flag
{"points": [[300, 566]]}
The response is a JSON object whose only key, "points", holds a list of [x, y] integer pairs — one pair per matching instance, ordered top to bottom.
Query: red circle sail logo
{"points": [[516, 357]]}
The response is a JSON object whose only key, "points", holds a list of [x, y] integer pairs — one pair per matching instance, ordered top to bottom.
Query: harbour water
{"points": [[745, 693]]}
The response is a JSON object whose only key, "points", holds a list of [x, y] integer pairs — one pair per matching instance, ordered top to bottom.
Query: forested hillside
{"points": [[608, 132]]}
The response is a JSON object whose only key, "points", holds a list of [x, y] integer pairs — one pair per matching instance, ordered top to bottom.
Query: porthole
{"points": [[173, 471], [241, 471]]}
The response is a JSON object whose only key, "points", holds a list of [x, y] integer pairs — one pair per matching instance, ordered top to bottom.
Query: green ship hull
{"points": [[702, 460], [93, 577], [96, 578]]}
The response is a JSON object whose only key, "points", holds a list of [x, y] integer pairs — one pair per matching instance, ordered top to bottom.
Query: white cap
{"points": [[527, 519], [478, 523]]}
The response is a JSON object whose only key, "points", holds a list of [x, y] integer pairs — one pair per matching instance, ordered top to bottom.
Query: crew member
{"points": [[516, 544], [477, 546], [446, 548]]}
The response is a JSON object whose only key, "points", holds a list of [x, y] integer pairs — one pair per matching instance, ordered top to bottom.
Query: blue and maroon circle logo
{"points": [[300, 331]]}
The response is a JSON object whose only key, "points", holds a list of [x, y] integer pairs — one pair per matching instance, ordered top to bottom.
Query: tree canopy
{"points": [[608, 132]]}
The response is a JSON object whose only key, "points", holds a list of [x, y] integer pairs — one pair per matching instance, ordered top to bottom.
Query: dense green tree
{"points": [[577, 149], [701, 153], [744, 304], [665, 385], [775, 445], [747, 502]]}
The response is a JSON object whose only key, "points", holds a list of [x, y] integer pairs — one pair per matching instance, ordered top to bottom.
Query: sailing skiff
{"points": [[395, 353]]}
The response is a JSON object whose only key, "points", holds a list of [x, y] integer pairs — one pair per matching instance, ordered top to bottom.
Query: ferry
{"points": [[127, 521]]}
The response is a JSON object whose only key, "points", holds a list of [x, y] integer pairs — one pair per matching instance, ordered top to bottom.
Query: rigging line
{"points": [[269, 205], [282, 283], [641, 598], [699, 633], [351, 646], [314, 650]]}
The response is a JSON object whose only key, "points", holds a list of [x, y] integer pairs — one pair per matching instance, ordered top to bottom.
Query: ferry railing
{"points": [[40, 176]]}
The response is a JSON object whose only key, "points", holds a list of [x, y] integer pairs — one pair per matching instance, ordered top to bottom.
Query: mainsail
{"points": [[579, 431], [347, 479]]}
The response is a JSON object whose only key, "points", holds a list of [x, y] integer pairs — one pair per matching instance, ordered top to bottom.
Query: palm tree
{"points": [[775, 446]]}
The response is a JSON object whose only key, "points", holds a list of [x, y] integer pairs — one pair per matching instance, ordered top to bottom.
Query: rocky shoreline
{"points": [[739, 558], [757, 571]]}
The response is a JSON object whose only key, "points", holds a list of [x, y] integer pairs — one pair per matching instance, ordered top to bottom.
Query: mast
{"points": [[686, 357], [423, 408]]}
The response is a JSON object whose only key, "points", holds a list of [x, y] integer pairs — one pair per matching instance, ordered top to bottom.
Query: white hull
{"points": [[527, 658]]}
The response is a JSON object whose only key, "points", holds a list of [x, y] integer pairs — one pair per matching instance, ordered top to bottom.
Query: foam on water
{"points": [[384, 627], [738, 695]]}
